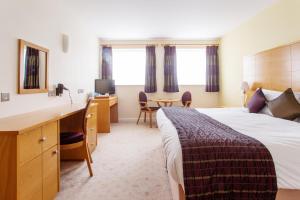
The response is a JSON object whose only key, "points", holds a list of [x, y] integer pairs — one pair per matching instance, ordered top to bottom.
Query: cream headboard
{"points": [[274, 69]]}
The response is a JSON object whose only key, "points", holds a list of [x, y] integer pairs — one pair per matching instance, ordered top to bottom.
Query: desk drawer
{"points": [[113, 101], [50, 134], [30, 145], [50, 173], [31, 182]]}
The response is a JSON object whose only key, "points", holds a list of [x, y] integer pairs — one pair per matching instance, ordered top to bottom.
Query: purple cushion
{"points": [[257, 101], [71, 137]]}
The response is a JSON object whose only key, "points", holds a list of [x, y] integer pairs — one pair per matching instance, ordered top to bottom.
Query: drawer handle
{"points": [[89, 116], [92, 129], [43, 139], [55, 151]]}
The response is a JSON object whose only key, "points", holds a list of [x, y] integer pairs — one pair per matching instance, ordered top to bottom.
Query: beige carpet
{"points": [[128, 164]]}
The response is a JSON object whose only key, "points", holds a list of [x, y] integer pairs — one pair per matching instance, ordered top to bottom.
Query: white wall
{"points": [[43, 22], [275, 26], [128, 95]]}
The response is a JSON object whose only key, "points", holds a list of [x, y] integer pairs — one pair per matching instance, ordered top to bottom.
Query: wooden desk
{"points": [[107, 112], [29, 153]]}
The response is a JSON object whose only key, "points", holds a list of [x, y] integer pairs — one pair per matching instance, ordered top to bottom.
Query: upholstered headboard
{"points": [[274, 69]]}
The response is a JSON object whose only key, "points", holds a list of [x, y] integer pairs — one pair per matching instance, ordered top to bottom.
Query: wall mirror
{"points": [[33, 68]]}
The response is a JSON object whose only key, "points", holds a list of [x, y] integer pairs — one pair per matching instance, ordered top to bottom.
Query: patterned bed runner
{"points": [[219, 162]]}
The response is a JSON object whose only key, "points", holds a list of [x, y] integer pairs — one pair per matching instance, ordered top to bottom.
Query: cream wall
{"points": [[43, 22], [275, 26], [128, 95]]}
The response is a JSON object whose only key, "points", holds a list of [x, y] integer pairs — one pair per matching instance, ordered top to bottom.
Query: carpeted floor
{"points": [[128, 164]]}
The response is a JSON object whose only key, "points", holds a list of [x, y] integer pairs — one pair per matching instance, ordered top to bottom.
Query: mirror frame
{"points": [[21, 65]]}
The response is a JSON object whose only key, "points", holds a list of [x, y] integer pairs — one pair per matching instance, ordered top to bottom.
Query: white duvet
{"points": [[281, 137]]}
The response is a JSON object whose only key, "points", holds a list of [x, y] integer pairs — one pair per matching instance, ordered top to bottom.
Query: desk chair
{"points": [[186, 99], [144, 108], [73, 140]]}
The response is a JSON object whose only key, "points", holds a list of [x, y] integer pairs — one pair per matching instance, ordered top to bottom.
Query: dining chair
{"points": [[186, 99], [144, 108], [78, 140]]}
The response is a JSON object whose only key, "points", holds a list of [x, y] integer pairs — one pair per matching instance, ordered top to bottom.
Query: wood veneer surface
{"points": [[274, 69], [24, 122]]}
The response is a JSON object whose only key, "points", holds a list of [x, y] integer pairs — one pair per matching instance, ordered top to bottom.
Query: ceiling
{"points": [[171, 19]]}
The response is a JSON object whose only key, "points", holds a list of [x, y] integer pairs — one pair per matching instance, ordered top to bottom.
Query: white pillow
{"points": [[273, 94], [270, 95], [297, 95]]}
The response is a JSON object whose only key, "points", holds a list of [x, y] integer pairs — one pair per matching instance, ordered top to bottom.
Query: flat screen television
{"points": [[103, 86]]}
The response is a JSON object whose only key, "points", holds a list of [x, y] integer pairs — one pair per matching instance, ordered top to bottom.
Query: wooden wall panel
{"points": [[295, 51], [275, 69]]}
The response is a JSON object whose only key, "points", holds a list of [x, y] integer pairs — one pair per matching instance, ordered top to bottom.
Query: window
{"points": [[129, 66], [191, 66]]}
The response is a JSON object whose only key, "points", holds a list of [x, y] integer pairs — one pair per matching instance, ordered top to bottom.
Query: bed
{"points": [[281, 137]]}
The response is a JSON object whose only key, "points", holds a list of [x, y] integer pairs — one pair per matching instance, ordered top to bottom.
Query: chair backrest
{"points": [[143, 99], [186, 99], [86, 116]]}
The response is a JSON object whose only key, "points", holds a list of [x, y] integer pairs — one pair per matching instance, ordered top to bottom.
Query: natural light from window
{"points": [[129, 66], [191, 66]]}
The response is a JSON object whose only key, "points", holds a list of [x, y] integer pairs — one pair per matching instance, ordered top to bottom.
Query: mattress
{"points": [[281, 137]]}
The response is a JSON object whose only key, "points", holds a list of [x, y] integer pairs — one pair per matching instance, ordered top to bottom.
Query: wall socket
{"points": [[80, 91], [51, 93], [4, 97]]}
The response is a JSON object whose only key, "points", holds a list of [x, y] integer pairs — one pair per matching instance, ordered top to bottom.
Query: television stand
{"points": [[107, 112]]}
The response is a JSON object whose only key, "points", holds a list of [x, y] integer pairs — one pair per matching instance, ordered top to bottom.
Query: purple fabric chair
{"points": [[186, 99], [144, 108]]}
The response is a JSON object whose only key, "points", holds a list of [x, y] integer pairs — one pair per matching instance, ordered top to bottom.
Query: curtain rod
{"points": [[160, 42], [157, 44]]}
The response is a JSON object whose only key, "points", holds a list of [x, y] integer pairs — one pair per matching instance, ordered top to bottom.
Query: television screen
{"points": [[104, 86]]}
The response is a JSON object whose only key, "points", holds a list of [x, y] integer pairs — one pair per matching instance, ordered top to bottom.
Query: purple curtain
{"points": [[106, 62], [212, 69], [170, 70], [31, 79], [150, 79]]}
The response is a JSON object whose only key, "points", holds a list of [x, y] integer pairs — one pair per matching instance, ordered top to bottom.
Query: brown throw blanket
{"points": [[219, 162]]}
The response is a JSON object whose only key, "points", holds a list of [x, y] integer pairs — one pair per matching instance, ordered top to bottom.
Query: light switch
{"points": [[79, 91], [51, 93], [4, 97]]}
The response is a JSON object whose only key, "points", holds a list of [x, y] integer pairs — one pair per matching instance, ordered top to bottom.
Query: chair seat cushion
{"points": [[151, 108], [71, 137]]}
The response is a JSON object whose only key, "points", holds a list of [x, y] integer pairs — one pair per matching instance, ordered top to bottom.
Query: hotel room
{"points": [[150, 100]]}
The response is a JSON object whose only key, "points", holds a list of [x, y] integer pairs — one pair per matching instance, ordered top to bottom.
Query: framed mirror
{"points": [[33, 68]]}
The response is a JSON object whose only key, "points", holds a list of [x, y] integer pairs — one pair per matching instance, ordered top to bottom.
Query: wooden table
{"points": [[166, 102]]}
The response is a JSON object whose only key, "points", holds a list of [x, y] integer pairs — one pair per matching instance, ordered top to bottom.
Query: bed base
{"points": [[282, 194]]}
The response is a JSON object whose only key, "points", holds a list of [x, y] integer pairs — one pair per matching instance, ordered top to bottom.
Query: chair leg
{"points": [[150, 113], [139, 117], [145, 117], [90, 155], [88, 160]]}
